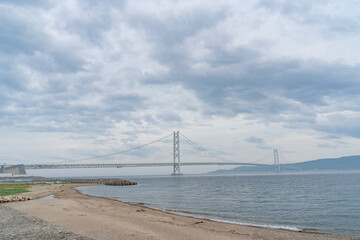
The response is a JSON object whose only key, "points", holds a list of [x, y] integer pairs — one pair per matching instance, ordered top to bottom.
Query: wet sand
{"points": [[101, 218]]}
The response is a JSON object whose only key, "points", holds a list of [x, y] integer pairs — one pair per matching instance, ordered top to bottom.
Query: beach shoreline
{"points": [[195, 216], [103, 218]]}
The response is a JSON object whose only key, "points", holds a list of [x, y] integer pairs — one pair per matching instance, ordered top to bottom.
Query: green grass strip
{"points": [[11, 189]]}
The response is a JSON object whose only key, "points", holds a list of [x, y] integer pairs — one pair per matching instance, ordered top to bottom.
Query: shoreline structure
{"points": [[104, 218]]}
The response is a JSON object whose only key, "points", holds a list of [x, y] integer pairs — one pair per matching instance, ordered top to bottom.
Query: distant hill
{"points": [[350, 163]]}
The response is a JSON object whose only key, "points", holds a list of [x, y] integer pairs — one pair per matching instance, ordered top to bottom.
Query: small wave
{"points": [[261, 225], [295, 229], [310, 230]]}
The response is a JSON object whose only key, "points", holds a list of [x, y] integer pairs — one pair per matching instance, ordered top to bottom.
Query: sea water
{"points": [[328, 203]]}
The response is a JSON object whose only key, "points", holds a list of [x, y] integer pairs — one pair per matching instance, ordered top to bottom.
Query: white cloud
{"points": [[115, 74]]}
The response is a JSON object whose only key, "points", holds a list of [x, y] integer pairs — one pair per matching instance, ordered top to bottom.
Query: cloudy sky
{"points": [[85, 78]]}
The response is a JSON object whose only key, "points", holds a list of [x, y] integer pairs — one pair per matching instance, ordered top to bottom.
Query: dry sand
{"points": [[101, 218]]}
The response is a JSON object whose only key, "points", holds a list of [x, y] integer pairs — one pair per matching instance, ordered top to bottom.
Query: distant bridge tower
{"points": [[176, 154], [276, 158]]}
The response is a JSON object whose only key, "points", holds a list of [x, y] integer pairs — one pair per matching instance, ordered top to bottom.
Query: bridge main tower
{"points": [[176, 155], [276, 158]]}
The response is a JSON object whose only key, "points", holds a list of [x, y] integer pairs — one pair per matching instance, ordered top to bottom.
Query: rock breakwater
{"points": [[105, 181], [6, 199]]}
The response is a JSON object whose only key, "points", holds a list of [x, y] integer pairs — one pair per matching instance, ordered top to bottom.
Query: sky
{"points": [[85, 78]]}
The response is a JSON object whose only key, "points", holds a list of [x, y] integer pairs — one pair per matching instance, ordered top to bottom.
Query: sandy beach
{"points": [[101, 218]]}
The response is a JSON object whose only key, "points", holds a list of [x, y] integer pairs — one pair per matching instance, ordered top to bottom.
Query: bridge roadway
{"points": [[121, 165]]}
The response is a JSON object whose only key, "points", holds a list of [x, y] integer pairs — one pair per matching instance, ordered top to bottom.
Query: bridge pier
{"points": [[176, 155], [276, 159], [12, 170]]}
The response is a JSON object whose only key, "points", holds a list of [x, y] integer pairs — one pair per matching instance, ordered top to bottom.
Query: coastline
{"points": [[201, 217], [103, 218]]}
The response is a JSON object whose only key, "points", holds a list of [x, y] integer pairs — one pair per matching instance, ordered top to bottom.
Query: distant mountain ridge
{"points": [[349, 163]]}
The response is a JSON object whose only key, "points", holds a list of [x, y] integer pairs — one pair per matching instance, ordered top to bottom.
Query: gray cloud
{"points": [[89, 66], [169, 117], [255, 140], [260, 143]]}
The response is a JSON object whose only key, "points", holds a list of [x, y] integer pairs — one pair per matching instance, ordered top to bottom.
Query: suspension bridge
{"points": [[176, 164]]}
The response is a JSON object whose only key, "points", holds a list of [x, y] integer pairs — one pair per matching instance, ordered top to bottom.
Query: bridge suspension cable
{"points": [[202, 149], [115, 153], [214, 156], [268, 156]]}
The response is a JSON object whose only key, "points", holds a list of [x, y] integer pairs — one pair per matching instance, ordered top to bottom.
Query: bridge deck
{"points": [[121, 165]]}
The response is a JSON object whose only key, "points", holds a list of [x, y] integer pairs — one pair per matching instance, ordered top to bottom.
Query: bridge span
{"points": [[175, 164], [122, 165]]}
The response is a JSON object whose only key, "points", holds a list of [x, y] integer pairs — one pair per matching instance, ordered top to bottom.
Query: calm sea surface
{"points": [[310, 202]]}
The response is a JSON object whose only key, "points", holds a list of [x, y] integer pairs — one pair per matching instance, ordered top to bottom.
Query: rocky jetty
{"points": [[105, 181], [6, 199]]}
